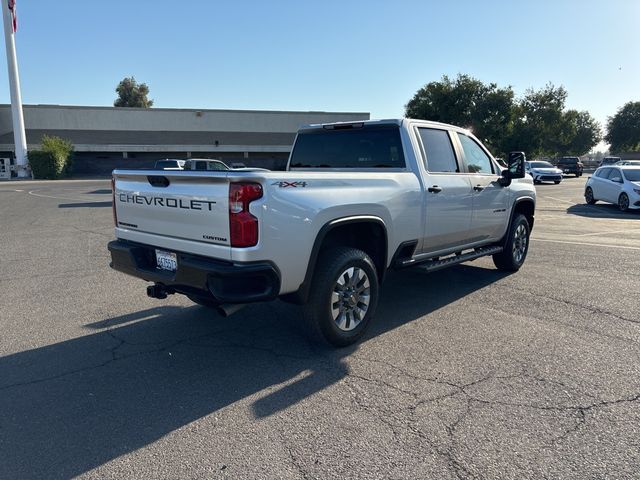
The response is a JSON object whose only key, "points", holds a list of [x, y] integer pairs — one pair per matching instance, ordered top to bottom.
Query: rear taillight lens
{"points": [[113, 201], [243, 226]]}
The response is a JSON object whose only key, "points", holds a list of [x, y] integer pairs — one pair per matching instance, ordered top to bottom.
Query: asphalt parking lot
{"points": [[467, 372]]}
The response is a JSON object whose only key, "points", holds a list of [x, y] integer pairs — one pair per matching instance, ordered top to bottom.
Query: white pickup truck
{"points": [[356, 200]]}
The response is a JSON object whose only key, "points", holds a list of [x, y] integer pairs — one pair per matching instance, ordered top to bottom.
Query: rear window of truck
{"points": [[360, 147]]}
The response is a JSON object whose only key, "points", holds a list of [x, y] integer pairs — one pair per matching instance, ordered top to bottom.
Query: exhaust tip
{"points": [[228, 309]]}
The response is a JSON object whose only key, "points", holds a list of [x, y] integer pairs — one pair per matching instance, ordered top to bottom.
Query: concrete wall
{"points": [[56, 117]]}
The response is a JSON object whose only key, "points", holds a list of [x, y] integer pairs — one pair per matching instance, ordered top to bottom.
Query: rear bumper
{"points": [[228, 282]]}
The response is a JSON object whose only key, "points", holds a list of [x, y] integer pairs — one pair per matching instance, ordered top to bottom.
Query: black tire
{"points": [[556, 182], [588, 196], [623, 202], [516, 247], [204, 301], [332, 310]]}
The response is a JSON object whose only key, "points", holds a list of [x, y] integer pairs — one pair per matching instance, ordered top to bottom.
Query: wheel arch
{"points": [[526, 206], [367, 233]]}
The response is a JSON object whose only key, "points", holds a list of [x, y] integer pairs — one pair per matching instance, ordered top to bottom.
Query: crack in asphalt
{"points": [[589, 308], [580, 328], [395, 420], [456, 464]]}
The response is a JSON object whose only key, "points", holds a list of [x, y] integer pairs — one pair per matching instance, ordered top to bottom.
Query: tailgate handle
{"points": [[158, 181]]}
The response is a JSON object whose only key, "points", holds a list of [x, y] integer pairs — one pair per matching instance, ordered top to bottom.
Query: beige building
{"points": [[108, 137]]}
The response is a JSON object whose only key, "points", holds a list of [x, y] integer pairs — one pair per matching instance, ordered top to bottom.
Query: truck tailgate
{"points": [[181, 205]]}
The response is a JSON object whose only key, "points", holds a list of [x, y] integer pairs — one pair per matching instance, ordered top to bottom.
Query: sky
{"points": [[349, 55]]}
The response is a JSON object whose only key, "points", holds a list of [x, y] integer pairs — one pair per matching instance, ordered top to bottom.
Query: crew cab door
{"points": [[448, 195], [490, 199]]}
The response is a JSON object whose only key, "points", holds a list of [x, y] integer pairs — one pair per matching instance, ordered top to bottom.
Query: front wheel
{"points": [[556, 182], [588, 196], [623, 202], [517, 246], [344, 296]]}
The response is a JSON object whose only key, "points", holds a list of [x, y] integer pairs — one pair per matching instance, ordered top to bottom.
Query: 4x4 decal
{"points": [[290, 184]]}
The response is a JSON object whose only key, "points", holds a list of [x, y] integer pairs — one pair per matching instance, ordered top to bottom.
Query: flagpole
{"points": [[19, 136]]}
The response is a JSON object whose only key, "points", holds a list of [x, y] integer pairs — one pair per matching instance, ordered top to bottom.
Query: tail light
{"points": [[113, 201], [243, 226]]}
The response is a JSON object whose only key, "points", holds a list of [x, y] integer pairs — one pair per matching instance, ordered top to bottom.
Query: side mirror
{"points": [[515, 165], [515, 168]]}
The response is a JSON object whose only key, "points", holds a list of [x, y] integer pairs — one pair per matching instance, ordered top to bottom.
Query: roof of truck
{"points": [[387, 121]]}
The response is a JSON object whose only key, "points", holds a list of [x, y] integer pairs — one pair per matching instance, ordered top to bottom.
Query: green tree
{"points": [[132, 94], [466, 101], [538, 117], [537, 123], [623, 129], [584, 133]]}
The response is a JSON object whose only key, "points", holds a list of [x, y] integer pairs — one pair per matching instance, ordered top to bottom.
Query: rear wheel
{"points": [[588, 196], [623, 202], [517, 246], [344, 296]]}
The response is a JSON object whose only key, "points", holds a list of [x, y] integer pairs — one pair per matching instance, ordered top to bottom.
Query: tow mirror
{"points": [[515, 165], [515, 168]]}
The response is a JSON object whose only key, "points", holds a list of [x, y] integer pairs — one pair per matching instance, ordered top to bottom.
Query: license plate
{"points": [[566, 171], [166, 260]]}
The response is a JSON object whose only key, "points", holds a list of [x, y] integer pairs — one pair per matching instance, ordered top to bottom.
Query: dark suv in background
{"points": [[571, 165]]}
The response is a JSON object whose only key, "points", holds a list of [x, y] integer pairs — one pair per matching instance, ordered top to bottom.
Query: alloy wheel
{"points": [[519, 243], [350, 298]]}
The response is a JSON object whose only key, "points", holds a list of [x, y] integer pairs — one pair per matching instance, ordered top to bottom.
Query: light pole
{"points": [[20, 139]]}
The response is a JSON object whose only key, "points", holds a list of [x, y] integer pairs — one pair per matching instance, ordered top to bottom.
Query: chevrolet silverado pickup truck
{"points": [[356, 200]]}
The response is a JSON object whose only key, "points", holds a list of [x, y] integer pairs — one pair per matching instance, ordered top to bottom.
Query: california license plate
{"points": [[166, 260]]}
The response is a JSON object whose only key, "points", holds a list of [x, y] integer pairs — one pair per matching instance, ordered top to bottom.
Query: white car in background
{"points": [[169, 164], [543, 172], [615, 184]]}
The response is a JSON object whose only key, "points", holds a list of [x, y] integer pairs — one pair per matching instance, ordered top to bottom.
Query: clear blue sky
{"points": [[332, 55]]}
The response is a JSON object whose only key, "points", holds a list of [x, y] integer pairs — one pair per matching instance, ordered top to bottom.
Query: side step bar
{"points": [[431, 265]]}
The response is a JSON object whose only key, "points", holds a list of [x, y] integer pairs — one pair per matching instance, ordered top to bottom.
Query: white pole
{"points": [[19, 136]]}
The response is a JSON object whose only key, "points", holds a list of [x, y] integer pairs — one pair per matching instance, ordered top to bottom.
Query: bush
{"points": [[54, 160]]}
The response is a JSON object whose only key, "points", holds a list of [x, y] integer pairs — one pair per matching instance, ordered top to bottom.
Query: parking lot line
{"points": [[32, 192], [558, 200], [605, 233], [586, 244]]}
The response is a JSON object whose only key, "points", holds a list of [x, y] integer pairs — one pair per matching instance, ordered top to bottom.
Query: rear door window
{"points": [[376, 146], [438, 150]]}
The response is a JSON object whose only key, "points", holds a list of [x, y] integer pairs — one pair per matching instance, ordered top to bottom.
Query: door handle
{"points": [[478, 188], [434, 189]]}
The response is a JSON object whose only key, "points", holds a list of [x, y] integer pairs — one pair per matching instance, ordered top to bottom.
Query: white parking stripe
{"points": [[32, 192], [559, 200], [604, 233], [586, 244]]}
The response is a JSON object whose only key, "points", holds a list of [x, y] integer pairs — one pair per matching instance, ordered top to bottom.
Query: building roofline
{"points": [[192, 110]]}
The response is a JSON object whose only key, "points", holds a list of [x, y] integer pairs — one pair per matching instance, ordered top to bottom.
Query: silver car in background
{"points": [[615, 184]]}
